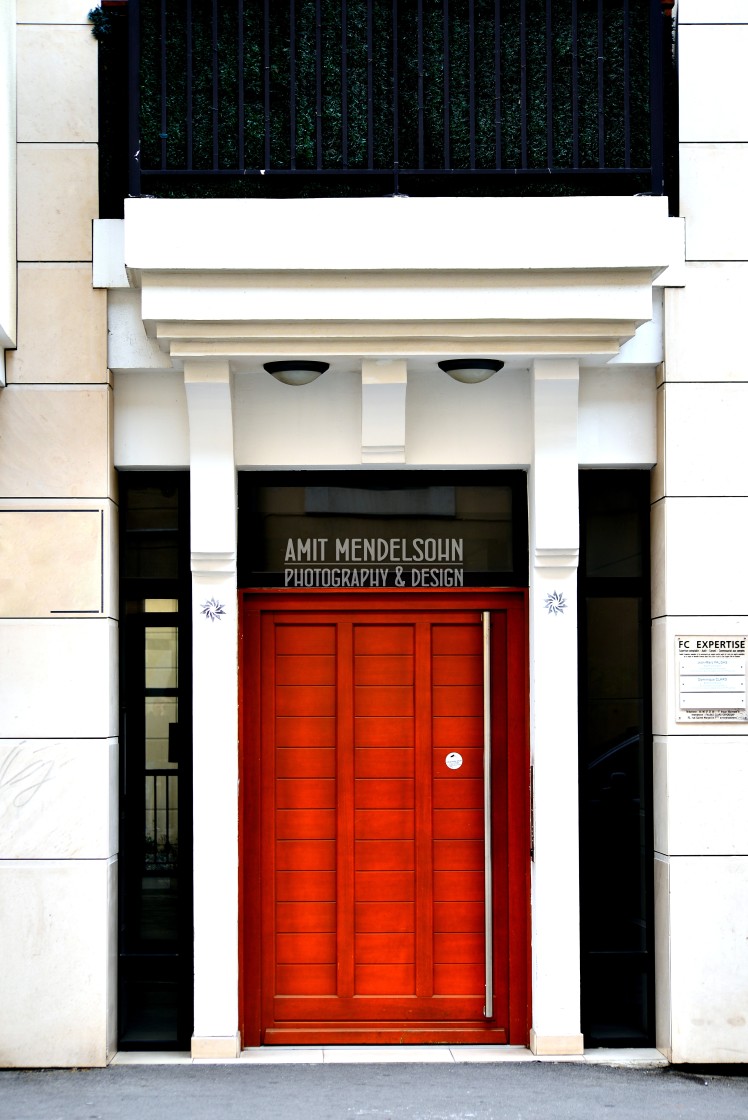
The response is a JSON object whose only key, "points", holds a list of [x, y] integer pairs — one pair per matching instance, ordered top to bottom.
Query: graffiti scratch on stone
{"points": [[22, 774]]}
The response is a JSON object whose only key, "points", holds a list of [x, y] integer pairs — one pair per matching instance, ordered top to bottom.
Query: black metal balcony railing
{"points": [[279, 97]]}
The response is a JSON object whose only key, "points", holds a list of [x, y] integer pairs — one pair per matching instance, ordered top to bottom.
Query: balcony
{"points": [[308, 98]]}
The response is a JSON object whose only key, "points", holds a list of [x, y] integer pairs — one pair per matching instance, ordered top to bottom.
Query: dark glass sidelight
{"points": [[615, 760], [155, 929]]}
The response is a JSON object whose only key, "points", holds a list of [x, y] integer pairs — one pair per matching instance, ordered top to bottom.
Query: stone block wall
{"points": [[700, 505], [58, 599]]}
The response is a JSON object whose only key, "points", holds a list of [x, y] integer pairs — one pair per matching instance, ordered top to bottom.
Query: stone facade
{"points": [[142, 345]]}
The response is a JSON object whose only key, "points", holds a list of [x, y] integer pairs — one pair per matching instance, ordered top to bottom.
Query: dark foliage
{"points": [[102, 24], [539, 89]]}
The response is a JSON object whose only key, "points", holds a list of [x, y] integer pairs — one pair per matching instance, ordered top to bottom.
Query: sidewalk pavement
{"points": [[524, 1090]]}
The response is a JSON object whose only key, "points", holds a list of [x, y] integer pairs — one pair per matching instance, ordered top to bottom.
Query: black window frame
{"points": [[627, 966], [167, 967]]}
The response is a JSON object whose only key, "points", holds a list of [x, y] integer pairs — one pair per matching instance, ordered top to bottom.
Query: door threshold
{"points": [[631, 1058]]}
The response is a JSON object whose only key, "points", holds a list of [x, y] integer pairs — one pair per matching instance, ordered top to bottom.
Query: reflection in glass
{"points": [[151, 508], [478, 516], [614, 527], [151, 555], [139, 605], [161, 606], [161, 657], [614, 684], [160, 716], [161, 760], [613, 778], [161, 821]]}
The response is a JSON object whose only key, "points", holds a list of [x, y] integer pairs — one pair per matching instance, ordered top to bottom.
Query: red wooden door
{"points": [[369, 913]]}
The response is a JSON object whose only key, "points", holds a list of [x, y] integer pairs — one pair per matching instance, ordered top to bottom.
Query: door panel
{"points": [[369, 909]]}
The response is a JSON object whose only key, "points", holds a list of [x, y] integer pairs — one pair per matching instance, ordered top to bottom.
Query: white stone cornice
{"points": [[354, 234], [351, 279], [502, 295], [515, 313], [322, 330]]}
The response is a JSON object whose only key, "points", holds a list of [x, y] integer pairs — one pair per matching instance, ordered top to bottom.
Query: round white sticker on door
{"points": [[454, 760]]}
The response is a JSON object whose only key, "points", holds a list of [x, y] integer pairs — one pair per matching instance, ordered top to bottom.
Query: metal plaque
{"points": [[711, 674]]}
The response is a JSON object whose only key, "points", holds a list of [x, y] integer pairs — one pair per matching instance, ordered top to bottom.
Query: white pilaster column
{"points": [[383, 387], [554, 554], [215, 699]]}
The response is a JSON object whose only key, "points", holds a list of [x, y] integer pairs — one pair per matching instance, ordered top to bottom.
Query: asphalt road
{"points": [[526, 1091]]}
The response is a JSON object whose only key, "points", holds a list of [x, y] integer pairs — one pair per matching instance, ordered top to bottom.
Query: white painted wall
{"points": [[617, 417], [150, 420], [447, 424], [279, 425], [484, 425]]}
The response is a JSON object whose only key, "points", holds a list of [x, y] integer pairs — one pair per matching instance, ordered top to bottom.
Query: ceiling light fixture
{"points": [[471, 370], [296, 372]]}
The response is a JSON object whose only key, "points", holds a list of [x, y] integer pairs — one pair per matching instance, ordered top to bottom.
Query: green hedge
{"points": [[330, 154]]}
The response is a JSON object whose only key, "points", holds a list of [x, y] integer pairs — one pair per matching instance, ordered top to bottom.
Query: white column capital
{"points": [[555, 369], [202, 371]]}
